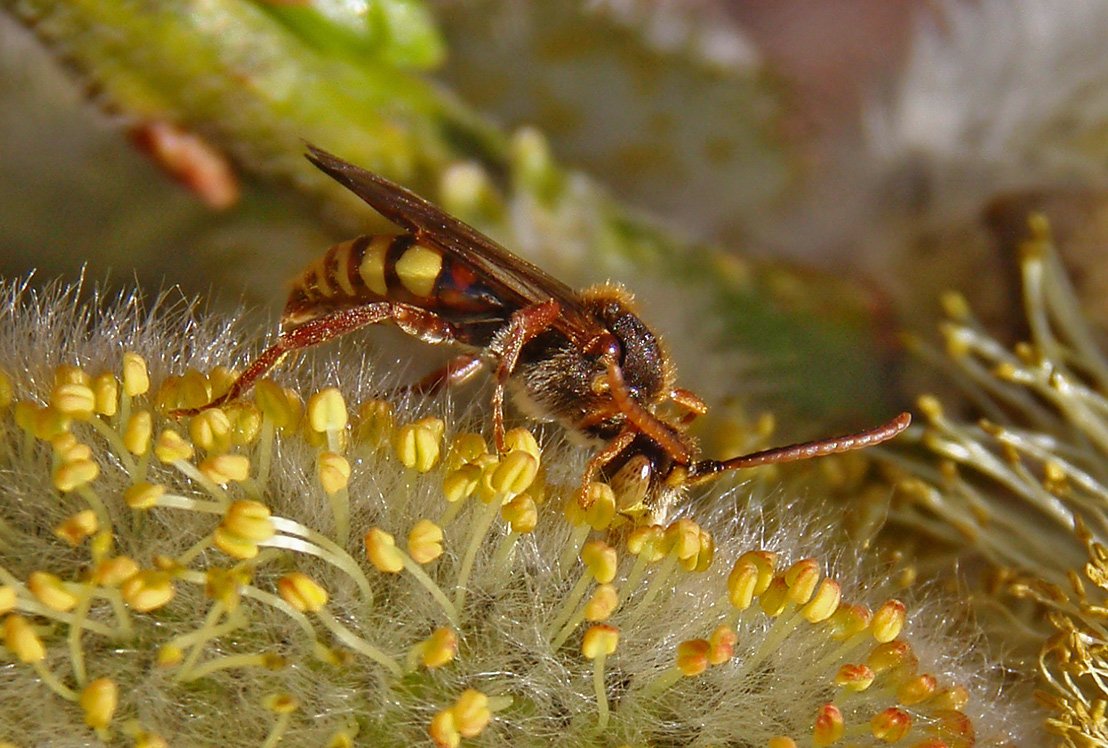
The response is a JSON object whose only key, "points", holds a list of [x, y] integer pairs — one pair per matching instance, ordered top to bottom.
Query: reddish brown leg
{"points": [[524, 325], [319, 331], [457, 370], [691, 402], [600, 459], [706, 469]]}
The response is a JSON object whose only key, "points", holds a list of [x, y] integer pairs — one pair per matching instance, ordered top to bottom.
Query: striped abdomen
{"points": [[399, 269]]}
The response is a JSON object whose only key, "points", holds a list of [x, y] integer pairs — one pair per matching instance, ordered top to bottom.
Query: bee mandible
{"points": [[581, 358]]}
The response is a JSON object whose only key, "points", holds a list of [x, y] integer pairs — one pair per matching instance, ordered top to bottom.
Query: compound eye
{"points": [[631, 483]]}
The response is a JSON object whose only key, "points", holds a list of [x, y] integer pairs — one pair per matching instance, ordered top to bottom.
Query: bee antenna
{"points": [[708, 469]]}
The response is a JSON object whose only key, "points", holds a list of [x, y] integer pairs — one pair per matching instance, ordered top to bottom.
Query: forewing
{"points": [[516, 279]]}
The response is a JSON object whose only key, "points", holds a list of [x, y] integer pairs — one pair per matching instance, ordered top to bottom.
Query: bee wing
{"points": [[516, 280]]}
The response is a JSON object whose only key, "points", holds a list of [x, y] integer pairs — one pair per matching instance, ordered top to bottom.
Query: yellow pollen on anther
{"points": [[372, 266], [418, 268], [136, 378], [105, 388], [75, 400], [280, 405], [327, 410], [211, 430], [138, 432], [522, 439], [417, 445], [171, 446], [223, 469], [333, 471], [514, 473], [69, 476], [143, 495], [600, 505], [521, 513], [245, 524], [77, 527], [425, 541], [381, 550], [600, 559], [112, 572], [802, 578], [147, 590], [51, 591], [302, 592], [8, 599], [774, 599], [823, 603], [602, 604], [889, 620], [21, 640], [599, 640], [723, 641], [439, 648], [692, 656], [854, 677], [916, 690], [99, 700], [281, 703], [471, 712], [891, 725], [829, 726]]}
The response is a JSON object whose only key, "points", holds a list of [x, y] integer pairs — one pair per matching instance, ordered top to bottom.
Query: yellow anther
{"points": [[66, 374], [136, 378], [7, 389], [105, 389], [195, 390], [74, 400], [279, 405], [930, 407], [327, 411], [49, 422], [375, 422], [246, 423], [211, 430], [138, 432], [523, 440], [417, 445], [171, 446], [466, 448], [69, 449], [223, 469], [334, 472], [514, 473], [70, 476], [461, 483], [143, 495], [600, 505], [521, 514], [244, 526], [77, 527], [683, 538], [425, 541], [647, 541], [381, 550], [705, 551], [600, 559], [766, 563], [112, 572], [802, 578], [741, 583], [225, 585], [147, 590], [51, 591], [302, 592], [7, 599], [774, 599], [823, 603], [602, 604], [849, 620], [889, 620], [21, 640], [599, 640], [722, 641], [438, 649], [890, 655], [692, 656], [854, 677], [917, 690], [953, 698], [99, 700], [281, 703], [471, 712], [891, 725], [829, 726], [443, 731], [145, 739], [781, 741]]}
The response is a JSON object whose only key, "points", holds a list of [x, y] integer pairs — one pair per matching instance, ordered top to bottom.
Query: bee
{"points": [[583, 359]]}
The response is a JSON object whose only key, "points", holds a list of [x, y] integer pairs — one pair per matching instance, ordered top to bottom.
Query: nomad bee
{"points": [[584, 359]]}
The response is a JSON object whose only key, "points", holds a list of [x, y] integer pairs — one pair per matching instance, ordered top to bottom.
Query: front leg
{"points": [[523, 326], [622, 440]]}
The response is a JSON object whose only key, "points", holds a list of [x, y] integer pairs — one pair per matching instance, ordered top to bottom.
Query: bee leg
{"points": [[523, 326], [320, 330], [458, 370], [691, 402], [600, 459]]}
